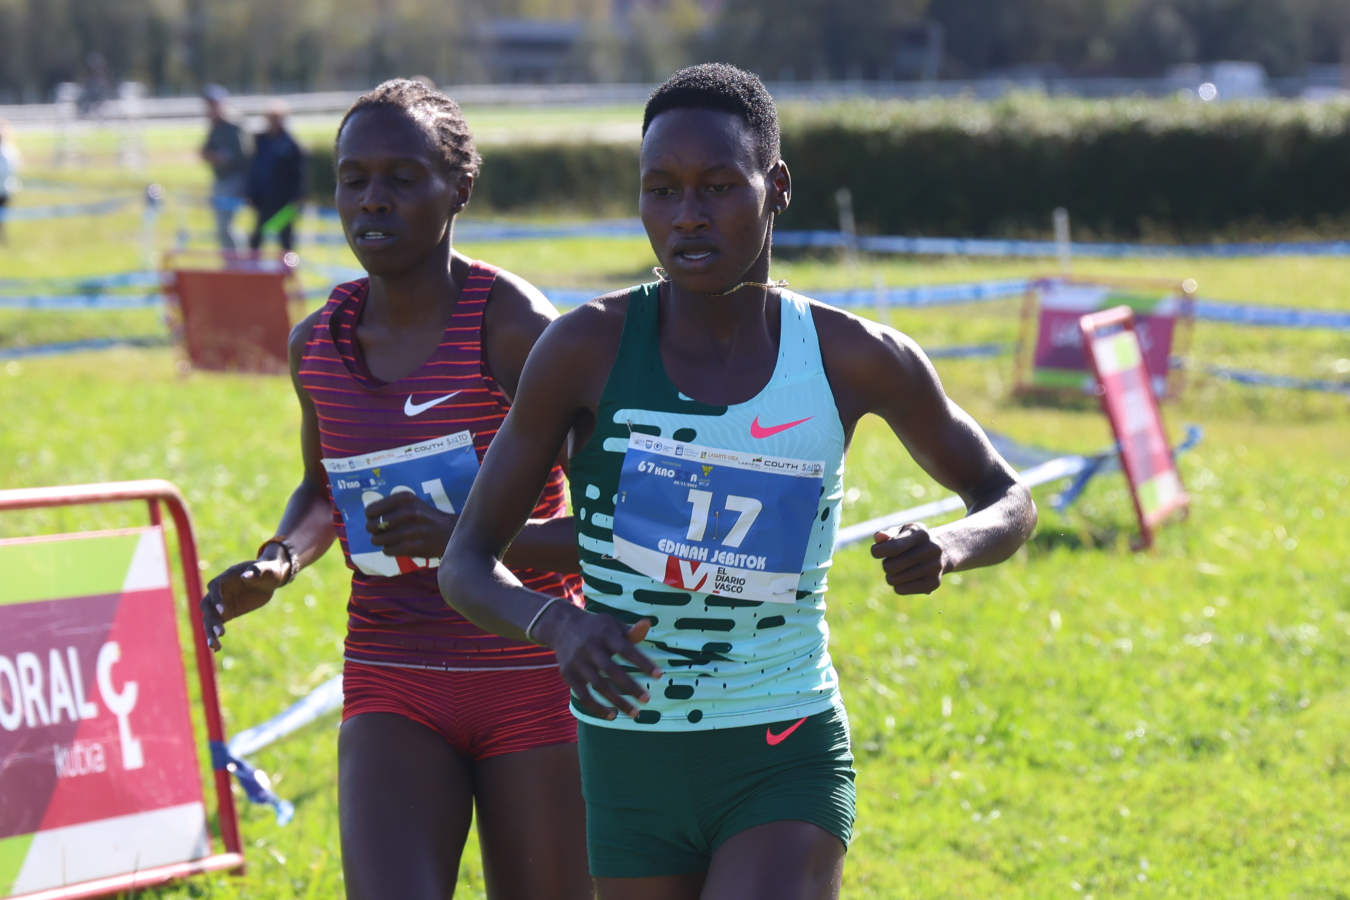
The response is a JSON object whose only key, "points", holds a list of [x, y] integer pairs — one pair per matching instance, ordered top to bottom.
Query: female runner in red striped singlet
{"points": [[403, 378]]}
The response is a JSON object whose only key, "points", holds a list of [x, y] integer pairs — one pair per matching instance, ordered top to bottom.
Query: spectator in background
{"points": [[97, 88], [224, 151], [9, 172], [276, 180]]}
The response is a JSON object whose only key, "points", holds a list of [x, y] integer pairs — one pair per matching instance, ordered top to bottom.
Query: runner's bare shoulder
{"points": [[520, 299], [580, 346], [867, 362]]}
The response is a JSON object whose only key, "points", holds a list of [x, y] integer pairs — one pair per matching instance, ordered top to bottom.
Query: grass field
{"points": [[1082, 721]]}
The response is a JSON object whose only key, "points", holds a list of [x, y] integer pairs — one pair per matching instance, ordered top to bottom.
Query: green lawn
{"points": [[1081, 721]]}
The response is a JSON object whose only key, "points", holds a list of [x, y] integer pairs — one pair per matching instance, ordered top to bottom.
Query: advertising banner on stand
{"points": [[1051, 356], [1128, 400], [100, 771]]}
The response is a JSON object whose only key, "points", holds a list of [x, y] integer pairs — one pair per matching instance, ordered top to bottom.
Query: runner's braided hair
{"points": [[724, 87], [439, 115]]}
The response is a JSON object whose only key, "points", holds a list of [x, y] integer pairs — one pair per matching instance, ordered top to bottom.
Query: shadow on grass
{"points": [[1067, 401], [1058, 537]]}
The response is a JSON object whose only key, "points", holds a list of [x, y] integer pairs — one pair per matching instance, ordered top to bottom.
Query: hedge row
{"points": [[1123, 168], [591, 178]]}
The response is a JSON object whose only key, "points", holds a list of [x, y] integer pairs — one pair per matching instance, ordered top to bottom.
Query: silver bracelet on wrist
{"points": [[539, 614]]}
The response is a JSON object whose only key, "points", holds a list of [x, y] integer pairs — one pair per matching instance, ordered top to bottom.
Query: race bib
{"points": [[439, 471], [717, 521]]}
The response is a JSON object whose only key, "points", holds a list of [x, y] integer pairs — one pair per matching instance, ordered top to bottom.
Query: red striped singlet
{"points": [[402, 620]]}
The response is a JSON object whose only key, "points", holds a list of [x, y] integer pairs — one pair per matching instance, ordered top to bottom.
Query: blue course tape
{"points": [[51, 184], [96, 208], [502, 231], [927, 246], [946, 246], [336, 274], [85, 283], [924, 295], [911, 297], [567, 298], [82, 301], [1270, 316], [87, 344], [967, 351], [1267, 379], [1107, 460], [1038, 466], [325, 698], [257, 786]]}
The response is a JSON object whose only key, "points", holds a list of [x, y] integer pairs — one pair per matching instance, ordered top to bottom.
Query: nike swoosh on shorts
{"points": [[773, 740]]}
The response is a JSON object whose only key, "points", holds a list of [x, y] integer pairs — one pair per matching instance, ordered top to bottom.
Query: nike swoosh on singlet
{"points": [[412, 409], [759, 431], [773, 740]]}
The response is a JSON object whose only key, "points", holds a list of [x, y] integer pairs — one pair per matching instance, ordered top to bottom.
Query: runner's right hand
{"points": [[240, 589], [586, 644]]}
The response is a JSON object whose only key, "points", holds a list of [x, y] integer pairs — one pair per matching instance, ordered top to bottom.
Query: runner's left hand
{"points": [[403, 525], [911, 558], [586, 645]]}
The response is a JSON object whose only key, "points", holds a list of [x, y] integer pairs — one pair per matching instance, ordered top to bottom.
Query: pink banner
{"points": [[1059, 342], [93, 711], [99, 771]]}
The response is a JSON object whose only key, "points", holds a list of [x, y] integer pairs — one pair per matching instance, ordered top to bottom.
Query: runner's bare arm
{"points": [[516, 315], [876, 369], [558, 392], [306, 524]]}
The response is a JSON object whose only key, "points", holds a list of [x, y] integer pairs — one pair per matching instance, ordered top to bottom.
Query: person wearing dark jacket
{"points": [[276, 181]]}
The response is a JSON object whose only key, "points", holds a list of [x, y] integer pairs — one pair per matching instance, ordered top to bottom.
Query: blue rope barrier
{"points": [[67, 210], [471, 230], [927, 246], [948, 246], [86, 283], [53, 302], [1270, 316], [87, 344], [970, 351], [1252, 378], [257, 786]]}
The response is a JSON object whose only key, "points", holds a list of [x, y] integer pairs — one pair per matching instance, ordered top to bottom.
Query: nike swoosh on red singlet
{"points": [[411, 409], [759, 431], [773, 740]]}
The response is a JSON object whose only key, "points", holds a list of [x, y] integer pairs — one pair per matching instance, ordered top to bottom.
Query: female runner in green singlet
{"points": [[707, 416]]}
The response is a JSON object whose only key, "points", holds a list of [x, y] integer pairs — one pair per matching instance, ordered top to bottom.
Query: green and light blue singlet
{"points": [[717, 523]]}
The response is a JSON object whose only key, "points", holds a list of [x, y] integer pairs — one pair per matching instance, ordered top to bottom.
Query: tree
{"points": [[787, 39]]}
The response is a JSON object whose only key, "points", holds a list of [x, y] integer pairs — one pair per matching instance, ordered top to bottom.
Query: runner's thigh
{"points": [[405, 800], [532, 825], [778, 861]]}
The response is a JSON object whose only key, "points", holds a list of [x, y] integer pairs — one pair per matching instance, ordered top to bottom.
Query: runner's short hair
{"points": [[721, 86], [434, 111]]}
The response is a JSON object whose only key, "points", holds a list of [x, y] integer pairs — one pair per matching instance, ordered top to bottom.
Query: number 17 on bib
{"points": [[716, 521]]}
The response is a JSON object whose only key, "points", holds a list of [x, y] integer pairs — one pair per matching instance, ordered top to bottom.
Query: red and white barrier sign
{"points": [[1052, 357], [1128, 399], [100, 773], [100, 780]]}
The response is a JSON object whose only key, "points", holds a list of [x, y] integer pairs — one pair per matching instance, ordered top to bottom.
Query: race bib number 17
{"points": [[439, 471], [717, 521]]}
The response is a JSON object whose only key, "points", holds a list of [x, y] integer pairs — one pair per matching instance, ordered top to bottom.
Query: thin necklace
{"points": [[662, 275]]}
